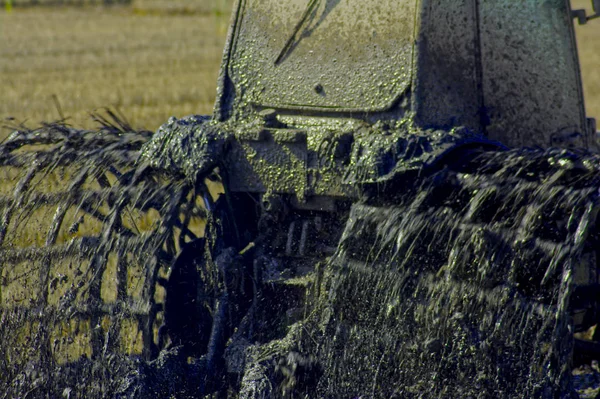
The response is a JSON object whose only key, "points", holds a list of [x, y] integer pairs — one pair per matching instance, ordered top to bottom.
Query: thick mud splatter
{"points": [[85, 233], [455, 283], [456, 286], [462, 289]]}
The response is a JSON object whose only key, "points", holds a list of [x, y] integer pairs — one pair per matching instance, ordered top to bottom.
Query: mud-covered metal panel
{"points": [[334, 54], [448, 75], [532, 88], [328, 159], [269, 162]]}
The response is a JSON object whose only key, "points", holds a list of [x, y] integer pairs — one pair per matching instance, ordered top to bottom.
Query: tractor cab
{"points": [[506, 70]]}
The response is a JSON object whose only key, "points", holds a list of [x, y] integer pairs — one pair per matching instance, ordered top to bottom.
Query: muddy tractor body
{"points": [[314, 87], [322, 103], [377, 233]]}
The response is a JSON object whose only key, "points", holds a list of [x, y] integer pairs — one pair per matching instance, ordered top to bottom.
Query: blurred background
{"points": [[150, 59]]}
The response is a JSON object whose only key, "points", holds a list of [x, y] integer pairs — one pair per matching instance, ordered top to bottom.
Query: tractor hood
{"points": [[322, 54], [504, 69]]}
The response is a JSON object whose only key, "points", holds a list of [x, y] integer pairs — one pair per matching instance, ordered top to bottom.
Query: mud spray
{"points": [[457, 285]]}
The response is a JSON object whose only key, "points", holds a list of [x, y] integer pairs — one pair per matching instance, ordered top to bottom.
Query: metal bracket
{"points": [[581, 15]]}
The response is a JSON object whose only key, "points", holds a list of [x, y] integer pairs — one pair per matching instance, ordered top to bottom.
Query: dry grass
{"points": [[215, 7], [152, 60], [149, 66]]}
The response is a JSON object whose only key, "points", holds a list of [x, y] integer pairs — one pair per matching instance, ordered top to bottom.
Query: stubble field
{"points": [[150, 60], [149, 65]]}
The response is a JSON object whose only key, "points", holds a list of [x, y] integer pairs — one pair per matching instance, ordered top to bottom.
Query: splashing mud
{"points": [[86, 233], [455, 283], [462, 288]]}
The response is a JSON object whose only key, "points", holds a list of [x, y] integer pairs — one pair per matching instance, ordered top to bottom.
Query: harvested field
{"points": [[215, 7], [151, 60], [150, 66]]}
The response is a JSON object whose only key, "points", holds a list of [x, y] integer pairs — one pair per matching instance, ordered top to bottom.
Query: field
{"points": [[151, 59], [149, 65]]}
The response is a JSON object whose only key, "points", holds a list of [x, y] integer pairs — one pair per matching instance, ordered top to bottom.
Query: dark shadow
{"points": [[306, 20]]}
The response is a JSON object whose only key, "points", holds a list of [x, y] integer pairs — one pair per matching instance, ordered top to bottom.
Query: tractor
{"points": [[391, 199]]}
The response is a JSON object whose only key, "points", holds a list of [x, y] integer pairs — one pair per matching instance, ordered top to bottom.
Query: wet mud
{"points": [[459, 282]]}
